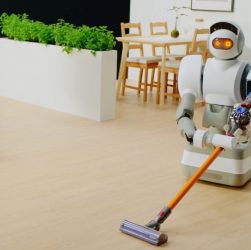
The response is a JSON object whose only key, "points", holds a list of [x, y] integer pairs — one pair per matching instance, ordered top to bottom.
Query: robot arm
{"points": [[190, 85], [190, 89], [184, 116]]}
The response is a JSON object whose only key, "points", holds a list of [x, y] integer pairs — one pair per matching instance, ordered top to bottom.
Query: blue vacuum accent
{"points": [[144, 233]]}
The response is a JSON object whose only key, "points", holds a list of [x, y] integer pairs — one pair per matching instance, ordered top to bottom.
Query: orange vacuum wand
{"points": [[172, 204], [149, 232]]}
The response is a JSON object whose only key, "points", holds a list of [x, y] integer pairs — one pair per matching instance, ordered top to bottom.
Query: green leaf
{"points": [[20, 27]]}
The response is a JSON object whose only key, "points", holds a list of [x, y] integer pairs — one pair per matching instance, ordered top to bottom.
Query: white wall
{"points": [[145, 11]]}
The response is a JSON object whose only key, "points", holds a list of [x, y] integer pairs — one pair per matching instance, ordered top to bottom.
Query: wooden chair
{"points": [[158, 29], [199, 47], [173, 60], [143, 63], [171, 67]]}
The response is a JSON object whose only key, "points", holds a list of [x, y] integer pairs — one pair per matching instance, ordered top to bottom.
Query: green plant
{"points": [[20, 27]]}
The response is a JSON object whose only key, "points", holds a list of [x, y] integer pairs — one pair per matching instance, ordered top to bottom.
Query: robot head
{"points": [[226, 40]]}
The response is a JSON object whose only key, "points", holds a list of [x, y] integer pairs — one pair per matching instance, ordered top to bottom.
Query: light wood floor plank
{"points": [[66, 183]]}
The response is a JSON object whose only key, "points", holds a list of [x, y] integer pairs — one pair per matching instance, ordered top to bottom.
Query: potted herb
{"points": [[20, 27], [75, 72]]}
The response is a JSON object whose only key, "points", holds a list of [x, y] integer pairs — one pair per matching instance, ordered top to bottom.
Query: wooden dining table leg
{"points": [[163, 64], [122, 67]]}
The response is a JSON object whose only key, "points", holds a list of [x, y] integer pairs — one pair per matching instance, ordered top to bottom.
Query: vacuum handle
{"points": [[202, 138], [194, 178]]}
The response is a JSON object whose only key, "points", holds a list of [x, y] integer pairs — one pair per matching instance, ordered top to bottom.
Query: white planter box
{"points": [[77, 83]]}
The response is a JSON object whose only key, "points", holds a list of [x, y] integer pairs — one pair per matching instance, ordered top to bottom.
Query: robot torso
{"points": [[224, 82]]}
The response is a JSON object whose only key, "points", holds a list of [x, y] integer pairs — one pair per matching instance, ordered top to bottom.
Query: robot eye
{"points": [[222, 43]]}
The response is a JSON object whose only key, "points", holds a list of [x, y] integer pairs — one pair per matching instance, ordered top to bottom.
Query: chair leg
{"points": [[152, 79], [140, 80], [123, 81], [166, 83], [174, 83], [145, 84], [158, 88], [175, 88]]}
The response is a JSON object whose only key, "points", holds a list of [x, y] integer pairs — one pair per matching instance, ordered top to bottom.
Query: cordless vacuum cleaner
{"points": [[150, 232]]}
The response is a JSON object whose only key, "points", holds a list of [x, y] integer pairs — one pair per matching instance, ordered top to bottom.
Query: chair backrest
{"points": [[158, 29], [129, 30], [199, 47]]}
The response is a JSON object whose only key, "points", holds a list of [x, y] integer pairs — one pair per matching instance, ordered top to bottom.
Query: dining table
{"points": [[161, 41]]}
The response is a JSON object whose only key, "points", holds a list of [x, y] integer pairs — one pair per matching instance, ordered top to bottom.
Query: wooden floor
{"points": [[66, 183]]}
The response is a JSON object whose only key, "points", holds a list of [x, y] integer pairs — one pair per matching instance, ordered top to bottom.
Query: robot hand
{"points": [[187, 128], [202, 138]]}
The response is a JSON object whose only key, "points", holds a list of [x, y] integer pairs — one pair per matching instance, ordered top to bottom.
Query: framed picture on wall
{"points": [[212, 5]]}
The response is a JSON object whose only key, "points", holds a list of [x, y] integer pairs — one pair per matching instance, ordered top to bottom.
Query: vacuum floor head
{"points": [[144, 233]]}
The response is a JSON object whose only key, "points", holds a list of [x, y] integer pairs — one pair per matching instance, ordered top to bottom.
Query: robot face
{"points": [[226, 41], [222, 43]]}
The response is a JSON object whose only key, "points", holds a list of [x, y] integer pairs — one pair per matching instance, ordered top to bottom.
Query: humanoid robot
{"points": [[225, 84]]}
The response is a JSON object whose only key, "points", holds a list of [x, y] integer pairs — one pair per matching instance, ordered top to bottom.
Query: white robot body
{"points": [[249, 76], [225, 77], [191, 82], [222, 82], [221, 85], [232, 167], [224, 170]]}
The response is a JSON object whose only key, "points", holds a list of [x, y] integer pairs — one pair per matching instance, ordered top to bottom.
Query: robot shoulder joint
{"points": [[190, 75]]}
